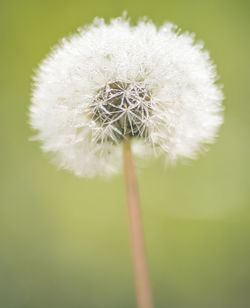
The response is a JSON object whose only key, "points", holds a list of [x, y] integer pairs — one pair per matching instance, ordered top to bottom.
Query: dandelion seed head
{"points": [[114, 81]]}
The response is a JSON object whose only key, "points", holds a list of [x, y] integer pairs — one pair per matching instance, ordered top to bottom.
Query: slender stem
{"points": [[141, 276]]}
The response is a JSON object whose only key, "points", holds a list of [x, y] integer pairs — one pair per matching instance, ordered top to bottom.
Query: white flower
{"points": [[114, 81]]}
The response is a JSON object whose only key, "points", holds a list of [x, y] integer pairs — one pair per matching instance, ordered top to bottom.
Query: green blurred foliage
{"points": [[63, 240]]}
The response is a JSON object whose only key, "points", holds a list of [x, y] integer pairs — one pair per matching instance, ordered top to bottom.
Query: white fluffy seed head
{"points": [[115, 81]]}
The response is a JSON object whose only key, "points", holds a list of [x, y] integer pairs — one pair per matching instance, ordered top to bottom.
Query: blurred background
{"points": [[63, 240]]}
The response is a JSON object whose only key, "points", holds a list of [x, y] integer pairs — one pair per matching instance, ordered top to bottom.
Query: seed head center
{"points": [[124, 106]]}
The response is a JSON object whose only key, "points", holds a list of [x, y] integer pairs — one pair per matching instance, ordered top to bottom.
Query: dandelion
{"points": [[113, 89]]}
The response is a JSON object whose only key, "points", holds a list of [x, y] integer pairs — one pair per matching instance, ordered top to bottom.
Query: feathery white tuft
{"points": [[114, 81]]}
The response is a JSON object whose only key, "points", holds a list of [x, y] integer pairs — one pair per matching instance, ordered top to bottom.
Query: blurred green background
{"points": [[63, 240]]}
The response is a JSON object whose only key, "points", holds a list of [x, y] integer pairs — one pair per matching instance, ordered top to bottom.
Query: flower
{"points": [[110, 82]]}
